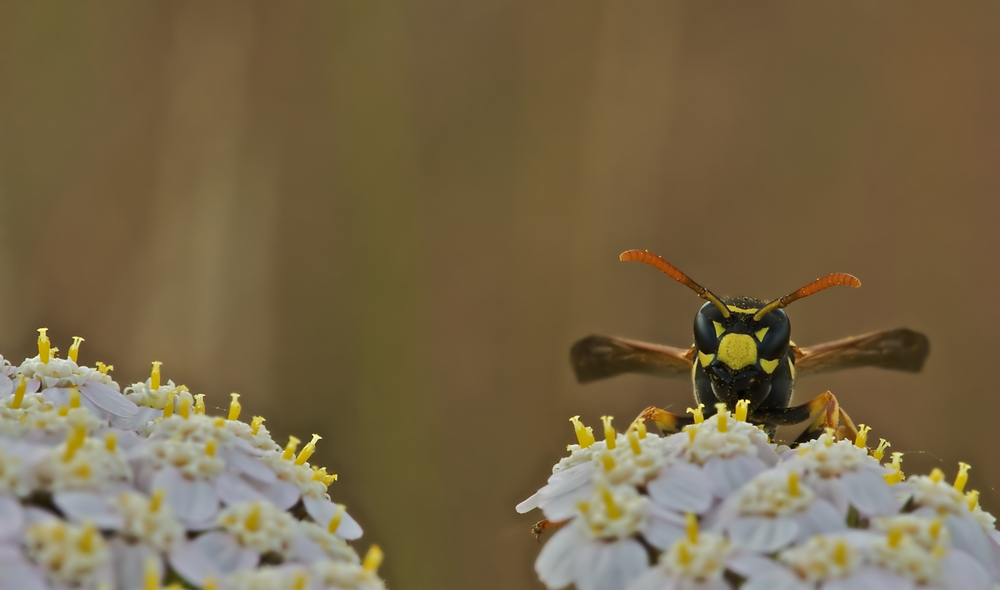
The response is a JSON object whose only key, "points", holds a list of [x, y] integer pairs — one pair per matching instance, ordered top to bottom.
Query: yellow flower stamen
{"points": [[44, 345], [74, 349], [103, 369], [154, 375], [22, 385], [74, 397], [199, 404], [234, 406], [742, 407], [168, 408], [185, 408], [63, 411], [699, 417], [723, 417], [219, 423], [255, 424], [640, 427], [692, 431], [581, 432], [609, 433], [77, 435], [590, 435], [829, 436], [862, 439], [110, 441], [633, 441], [293, 444], [210, 447], [307, 450], [879, 451], [608, 461], [320, 474], [897, 475], [937, 476], [963, 476], [793, 484], [973, 499], [156, 500], [609, 503], [253, 519], [691, 522], [334, 523], [935, 528], [895, 537], [88, 538], [840, 552], [683, 553], [373, 559], [151, 575], [300, 581], [210, 583]]}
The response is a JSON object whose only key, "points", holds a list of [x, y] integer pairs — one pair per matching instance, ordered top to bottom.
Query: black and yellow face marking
{"points": [[738, 353]]}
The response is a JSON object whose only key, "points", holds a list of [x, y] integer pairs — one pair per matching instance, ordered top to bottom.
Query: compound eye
{"points": [[708, 328], [773, 335]]}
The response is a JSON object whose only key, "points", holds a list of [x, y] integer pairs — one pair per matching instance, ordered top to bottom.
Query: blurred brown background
{"points": [[386, 222]]}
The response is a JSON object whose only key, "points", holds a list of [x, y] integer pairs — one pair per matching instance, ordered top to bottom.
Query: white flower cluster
{"points": [[142, 490], [719, 507]]}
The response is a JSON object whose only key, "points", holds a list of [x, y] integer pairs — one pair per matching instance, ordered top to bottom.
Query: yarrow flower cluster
{"points": [[142, 490], [718, 506]]}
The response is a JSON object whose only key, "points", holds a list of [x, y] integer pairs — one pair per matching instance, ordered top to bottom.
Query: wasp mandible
{"points": [[743, 351]]}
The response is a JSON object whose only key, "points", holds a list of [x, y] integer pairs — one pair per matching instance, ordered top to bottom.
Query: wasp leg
{"points": [[823, 409], [667, 422], [543, 525]]}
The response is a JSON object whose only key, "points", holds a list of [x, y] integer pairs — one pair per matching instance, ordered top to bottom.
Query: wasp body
{"points": [[743, 351]]}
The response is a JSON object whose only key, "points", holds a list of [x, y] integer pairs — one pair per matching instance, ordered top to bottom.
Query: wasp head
{"points": [[740, 353]]}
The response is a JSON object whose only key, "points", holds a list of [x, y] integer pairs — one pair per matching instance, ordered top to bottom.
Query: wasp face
{"points": [[739, 354]]}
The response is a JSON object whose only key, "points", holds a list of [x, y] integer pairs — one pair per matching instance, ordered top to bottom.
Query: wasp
{"points": [[743, 351]]}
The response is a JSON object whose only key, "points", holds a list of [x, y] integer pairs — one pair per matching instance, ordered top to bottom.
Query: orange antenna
{"points": [[670, 270], [831, 280]]}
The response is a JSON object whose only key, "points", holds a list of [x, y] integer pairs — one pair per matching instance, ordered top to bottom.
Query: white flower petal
{"points": [[6, 386], [107, 399], [249, 466], [729, 473], [682, 487], [231, 488], [869, 493], [282, 494], [193, 501], [528, 505], [89, 506], [562, 506], [323, 510], [12, 518], [819, 518], [663, 527], [759, 533], [968, 535], [213, 554], [130, 563], [556, 563], [753, 564], [610, 566], [16, 573], [655, 578], [870, 578], [778, 579]]}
